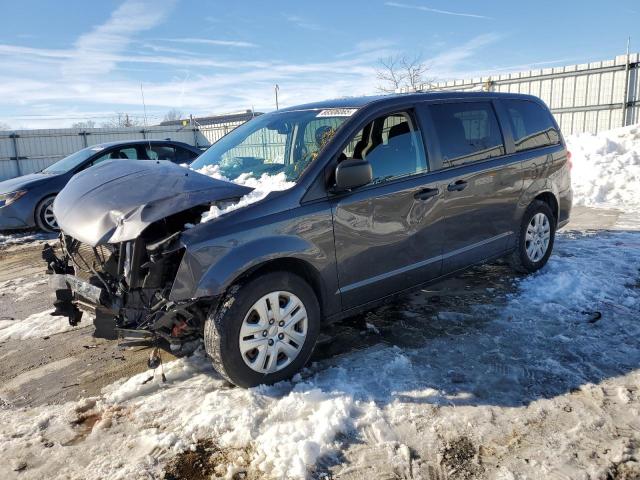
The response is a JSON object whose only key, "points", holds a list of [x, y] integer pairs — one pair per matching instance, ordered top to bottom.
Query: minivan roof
{"points": [[359, 102]]}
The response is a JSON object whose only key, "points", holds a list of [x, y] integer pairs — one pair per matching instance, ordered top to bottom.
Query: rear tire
{"points": [[45, 220], [535, 238], [284, 336]]}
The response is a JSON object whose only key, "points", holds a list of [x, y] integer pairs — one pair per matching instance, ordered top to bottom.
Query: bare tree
{"points": [[414, 70], [399, 71], [390, 73], [172, 115], [121, 120], [86, 124], [4, 126]]}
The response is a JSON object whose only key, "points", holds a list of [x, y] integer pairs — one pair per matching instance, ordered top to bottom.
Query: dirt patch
{"points": [[459, 459], [204, 462]]}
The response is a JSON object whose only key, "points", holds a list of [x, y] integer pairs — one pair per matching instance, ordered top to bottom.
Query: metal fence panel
{"points": [[583, 98], [28, 151]]}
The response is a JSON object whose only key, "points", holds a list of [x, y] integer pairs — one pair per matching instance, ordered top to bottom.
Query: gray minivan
{"points": [[384, 194]]}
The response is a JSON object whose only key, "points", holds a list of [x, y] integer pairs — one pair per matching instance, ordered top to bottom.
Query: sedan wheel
{"points": [[45, 219]]}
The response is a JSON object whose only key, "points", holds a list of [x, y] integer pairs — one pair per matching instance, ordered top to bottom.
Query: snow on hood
{"points": [[606, 168], [261, 188], [115, 201]]}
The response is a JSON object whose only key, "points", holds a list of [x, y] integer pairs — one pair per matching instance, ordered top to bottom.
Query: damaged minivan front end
{"points": [[120, 247]]}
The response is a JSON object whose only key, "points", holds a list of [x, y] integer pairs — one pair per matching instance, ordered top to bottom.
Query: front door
{"points": [[388, 235]]}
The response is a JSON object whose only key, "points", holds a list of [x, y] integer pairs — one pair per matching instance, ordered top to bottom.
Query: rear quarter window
{"points": [[531, 124]]}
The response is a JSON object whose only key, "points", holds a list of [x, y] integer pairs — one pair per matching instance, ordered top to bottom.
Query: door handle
{"points": [[457, 186], [426, 193]]}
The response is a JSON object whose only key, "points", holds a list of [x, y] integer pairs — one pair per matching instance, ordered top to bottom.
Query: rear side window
{"points": [[531, 124], [467, 132], [160, 152]]}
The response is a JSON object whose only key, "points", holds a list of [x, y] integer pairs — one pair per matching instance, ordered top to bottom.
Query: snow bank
{"points": [[606, 168], [262, 187], [37, 325]]}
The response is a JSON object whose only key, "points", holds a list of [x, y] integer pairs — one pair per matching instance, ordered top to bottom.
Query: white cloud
{"points": [[434, 10], [302, 22], [115, 35], [208, 41], [379, 46], [447, 64], [93, 78]]}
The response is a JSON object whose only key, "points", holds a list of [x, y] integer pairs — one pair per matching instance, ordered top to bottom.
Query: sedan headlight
{"points": [[9, 198]]}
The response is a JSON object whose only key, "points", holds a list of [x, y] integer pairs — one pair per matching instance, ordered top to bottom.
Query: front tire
{"points": [[45, 220], [535, 238], [264, 330]]}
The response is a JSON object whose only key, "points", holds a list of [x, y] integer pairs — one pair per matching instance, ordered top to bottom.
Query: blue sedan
{"points": [[26, 202]]}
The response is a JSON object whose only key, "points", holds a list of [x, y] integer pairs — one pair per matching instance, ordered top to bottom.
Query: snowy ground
{"points": [[508, 377], [540, 382]]}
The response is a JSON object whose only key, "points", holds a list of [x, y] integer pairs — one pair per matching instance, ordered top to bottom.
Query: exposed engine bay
{"points": [[118, 256], [126, 285]]}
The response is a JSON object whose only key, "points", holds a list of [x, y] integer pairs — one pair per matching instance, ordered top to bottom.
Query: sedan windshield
{"points": [[275, 143], [72, 161]]}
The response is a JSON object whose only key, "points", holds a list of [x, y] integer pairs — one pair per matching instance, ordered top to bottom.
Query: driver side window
{"points": [[392, 144]]}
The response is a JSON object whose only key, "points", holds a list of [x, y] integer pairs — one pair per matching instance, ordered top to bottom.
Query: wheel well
{"points": [[550, 199], [293, 265]]}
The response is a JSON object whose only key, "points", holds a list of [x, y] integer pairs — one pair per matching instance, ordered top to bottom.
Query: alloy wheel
{"points": [[48, 217]]}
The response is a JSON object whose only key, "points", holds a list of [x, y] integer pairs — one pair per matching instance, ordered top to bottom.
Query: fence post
{"points": [[626, 86], [194, 129], [14, 136], [84, 138]]}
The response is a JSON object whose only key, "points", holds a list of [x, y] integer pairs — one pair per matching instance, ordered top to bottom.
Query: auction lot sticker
{"points": [[337, 112]]}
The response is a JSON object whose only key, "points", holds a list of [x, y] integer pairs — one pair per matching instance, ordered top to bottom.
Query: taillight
{"points": [[569, 162]]}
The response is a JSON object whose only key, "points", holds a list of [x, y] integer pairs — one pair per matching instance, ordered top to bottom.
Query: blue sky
{"points": [[68, 61]]}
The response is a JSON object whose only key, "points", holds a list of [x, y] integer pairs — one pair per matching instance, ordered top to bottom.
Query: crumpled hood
{"points": [[116, 200]]}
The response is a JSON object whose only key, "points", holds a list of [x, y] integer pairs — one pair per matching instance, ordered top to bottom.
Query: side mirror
{"points": [[353, 173]]}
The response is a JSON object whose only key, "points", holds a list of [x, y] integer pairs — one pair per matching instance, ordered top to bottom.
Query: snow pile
{"points": [[606, 168], [262, 187], [19, 238], [18, 289], [37, 325]]}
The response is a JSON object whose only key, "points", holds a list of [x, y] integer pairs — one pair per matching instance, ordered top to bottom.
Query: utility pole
{"points": [[626, 86], [276, 90]]}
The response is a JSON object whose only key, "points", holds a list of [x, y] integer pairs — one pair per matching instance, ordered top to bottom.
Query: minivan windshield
{"points": [[274, 143], [72, 161]]}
